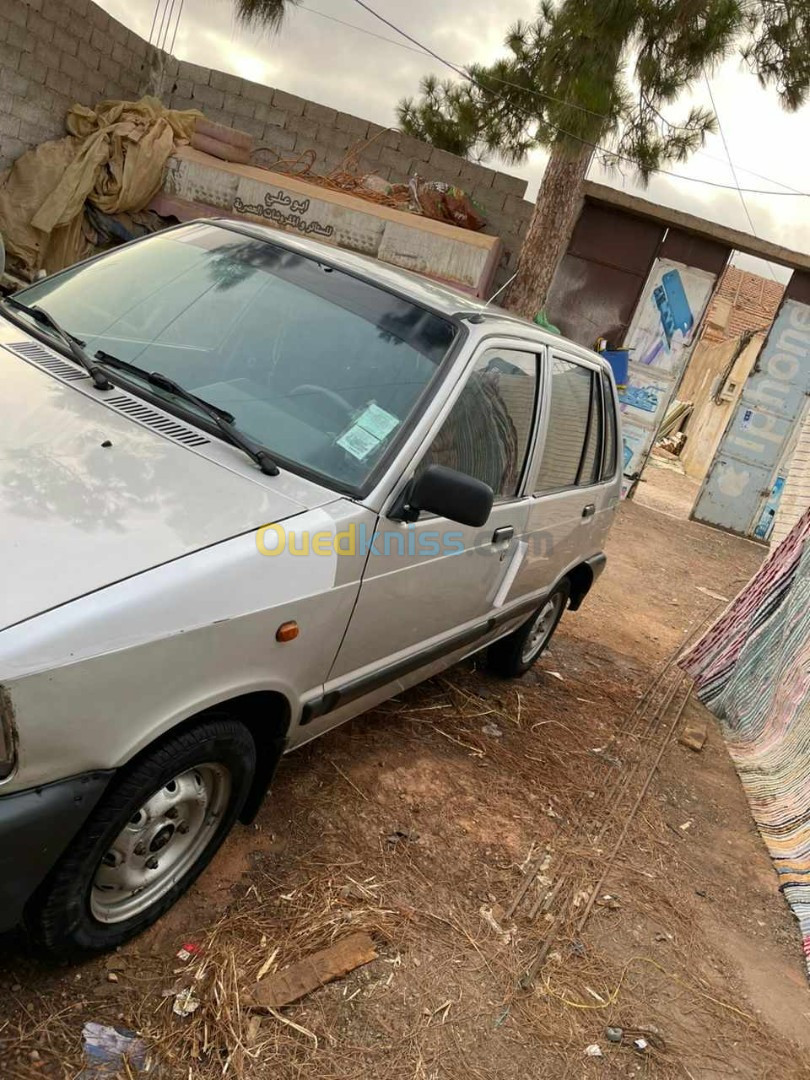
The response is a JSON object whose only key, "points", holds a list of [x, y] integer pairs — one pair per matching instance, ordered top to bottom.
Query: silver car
{"points": [[250, 487]]}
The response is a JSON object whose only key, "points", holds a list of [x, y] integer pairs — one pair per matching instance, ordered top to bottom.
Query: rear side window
{"points": [[567, 430], [488, 431], [609, 456], [592, 460]]}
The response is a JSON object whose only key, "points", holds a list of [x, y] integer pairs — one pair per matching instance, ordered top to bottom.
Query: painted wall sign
{"points": [[274, 208], [661, 336], [741, 485]]}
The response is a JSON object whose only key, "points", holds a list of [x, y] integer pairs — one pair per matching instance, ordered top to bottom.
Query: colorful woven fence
{"points": [[752, 669]]}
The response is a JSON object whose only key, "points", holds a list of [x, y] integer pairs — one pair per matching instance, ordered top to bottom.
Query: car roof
{"points": [[440, 298]]}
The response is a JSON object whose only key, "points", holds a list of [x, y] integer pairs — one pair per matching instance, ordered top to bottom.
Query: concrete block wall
{"points": [[56, 52]]}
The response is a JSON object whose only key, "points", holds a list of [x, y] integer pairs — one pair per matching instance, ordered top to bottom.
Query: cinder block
{"points": [[16, 12], [98, 17], [5, 26], [39, 27], [119, 32], [19, 38], [64, 41], [101, 41], [136, 45], [121, 55], [89, 56], [10, 57], [72, 66], [32, 68], [108, 68], [200, 76], [13, 82], [97, 83], [231, 84], [181, 87], [257, 92], [81, 93], [208, 95], [182, 103], [238, 105], [294, 105], [322, 113], [271, 115], [219, 116], [352, 124], [9, 126], [303, 127], [34, 134], [332, 138], [279, 139], [414, 148], [11, 150], [396, 162], [449, 165], [510, 185], [517, 208]]}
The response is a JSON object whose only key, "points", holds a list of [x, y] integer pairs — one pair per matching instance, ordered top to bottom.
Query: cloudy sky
{"points": [[317, 56]]}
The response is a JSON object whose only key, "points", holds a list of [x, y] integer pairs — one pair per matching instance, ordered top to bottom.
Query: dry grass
{"points": [[515, 832]]}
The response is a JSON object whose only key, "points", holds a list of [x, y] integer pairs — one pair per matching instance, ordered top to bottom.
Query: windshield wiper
{"points": [[72, 343], [221, 417]]}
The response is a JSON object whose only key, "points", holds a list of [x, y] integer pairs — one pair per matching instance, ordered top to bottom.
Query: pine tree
{"points": [[589, 76]]}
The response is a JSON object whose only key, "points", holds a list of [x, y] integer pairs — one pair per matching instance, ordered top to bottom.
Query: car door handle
{"points": [[589, 510], [500, 536]]}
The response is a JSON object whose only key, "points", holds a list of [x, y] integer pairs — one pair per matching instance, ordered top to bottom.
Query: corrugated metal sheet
{"points": [[742, 489]]}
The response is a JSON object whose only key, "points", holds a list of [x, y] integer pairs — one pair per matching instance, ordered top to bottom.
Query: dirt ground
{"points": [[466, 826]]}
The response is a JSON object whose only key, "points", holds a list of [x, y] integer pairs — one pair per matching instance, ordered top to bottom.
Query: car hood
{"points": [[88, 496]]}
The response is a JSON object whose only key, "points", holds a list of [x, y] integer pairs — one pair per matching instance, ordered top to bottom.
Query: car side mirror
{"points": [[448, 493]]}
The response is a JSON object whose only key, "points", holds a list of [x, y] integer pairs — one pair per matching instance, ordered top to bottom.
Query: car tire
{"points": [[513, 655], [153, 832]]}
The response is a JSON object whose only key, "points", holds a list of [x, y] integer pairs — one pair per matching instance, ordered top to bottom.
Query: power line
{"points": [[420, 51], [561, 131], [731, 166]]}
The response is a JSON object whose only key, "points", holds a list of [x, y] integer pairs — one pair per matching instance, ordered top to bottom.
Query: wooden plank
{"points": [[312, 972]]}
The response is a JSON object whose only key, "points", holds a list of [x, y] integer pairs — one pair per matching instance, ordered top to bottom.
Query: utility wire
{"points": [[572, 105], [561, 131], [733, 170]]}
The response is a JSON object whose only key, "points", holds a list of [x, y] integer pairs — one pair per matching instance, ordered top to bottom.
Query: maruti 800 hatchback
{"points": [[250, 487]]}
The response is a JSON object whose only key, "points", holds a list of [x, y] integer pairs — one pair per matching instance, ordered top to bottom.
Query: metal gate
{"points": [[742, 489]]}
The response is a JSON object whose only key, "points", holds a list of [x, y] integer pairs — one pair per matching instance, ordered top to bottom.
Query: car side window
{"points": [[567, 426], [488, 431], [609, 456], [592, 459]]}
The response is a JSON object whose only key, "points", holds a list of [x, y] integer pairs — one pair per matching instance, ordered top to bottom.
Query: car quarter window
{"points": [[488, 431], [609, 456]]}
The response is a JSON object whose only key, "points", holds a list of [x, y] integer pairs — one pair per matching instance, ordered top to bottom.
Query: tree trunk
{"points": [[552, 222]]}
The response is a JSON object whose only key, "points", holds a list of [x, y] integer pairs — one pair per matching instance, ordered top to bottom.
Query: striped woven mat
{"points": [[752, 669]]}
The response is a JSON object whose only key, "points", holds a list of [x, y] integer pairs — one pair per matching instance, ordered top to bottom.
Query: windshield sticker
{"points": [[377, 421], [368, 431], [358, 443]]}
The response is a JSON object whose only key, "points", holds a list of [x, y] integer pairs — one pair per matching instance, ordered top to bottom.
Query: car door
{"points": [[572, 495], [429, 584]]}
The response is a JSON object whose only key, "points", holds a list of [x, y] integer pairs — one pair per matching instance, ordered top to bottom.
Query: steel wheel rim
{"points": [[541, 628], [160, 843]]}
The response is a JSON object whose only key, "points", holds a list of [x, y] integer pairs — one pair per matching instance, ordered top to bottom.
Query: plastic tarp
{"points": [[113, 157]]}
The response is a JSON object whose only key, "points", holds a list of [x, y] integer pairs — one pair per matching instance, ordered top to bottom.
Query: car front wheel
{"points": [[154, 831]]}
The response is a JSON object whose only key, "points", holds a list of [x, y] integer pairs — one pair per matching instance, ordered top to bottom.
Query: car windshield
{"points": [[318, 366]]}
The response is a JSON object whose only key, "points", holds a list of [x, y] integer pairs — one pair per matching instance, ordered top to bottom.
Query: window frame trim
{"points": [[608, 389]]}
